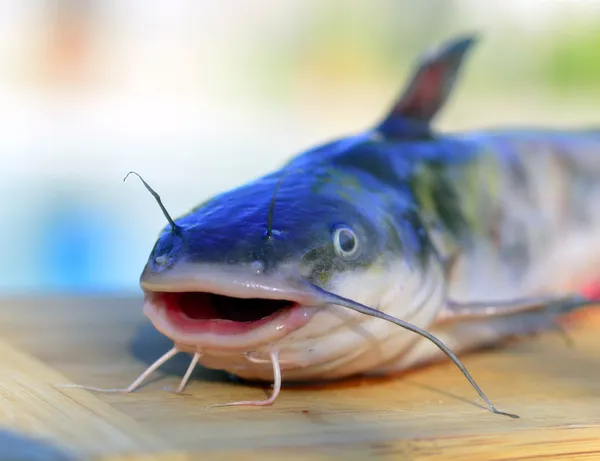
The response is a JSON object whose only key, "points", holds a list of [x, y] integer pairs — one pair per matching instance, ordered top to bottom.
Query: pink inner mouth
{"points": [[201, 312]]}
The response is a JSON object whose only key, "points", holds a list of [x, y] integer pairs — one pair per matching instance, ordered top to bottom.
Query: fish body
{"points": [[507, 201], [410, 222]]}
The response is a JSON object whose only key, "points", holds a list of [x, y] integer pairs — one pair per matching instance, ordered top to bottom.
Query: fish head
{"points": [[254, 265]]}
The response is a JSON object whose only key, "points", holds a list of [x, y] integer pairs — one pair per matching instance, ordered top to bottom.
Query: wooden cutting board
{"points": [[429, 414]]}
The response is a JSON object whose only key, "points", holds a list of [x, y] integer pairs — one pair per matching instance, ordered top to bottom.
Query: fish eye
{"points": [[345, 242]]}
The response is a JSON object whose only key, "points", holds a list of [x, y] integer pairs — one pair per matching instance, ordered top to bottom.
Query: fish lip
{"points": [[209, 336]]}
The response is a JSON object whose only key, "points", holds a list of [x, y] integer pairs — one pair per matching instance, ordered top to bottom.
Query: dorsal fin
{"points": [[428, 90]]}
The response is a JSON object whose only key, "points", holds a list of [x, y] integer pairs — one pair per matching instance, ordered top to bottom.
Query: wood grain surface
{"points": [[429, 414]]}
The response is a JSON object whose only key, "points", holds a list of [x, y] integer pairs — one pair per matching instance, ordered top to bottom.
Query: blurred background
{"points": [[199, 96]]}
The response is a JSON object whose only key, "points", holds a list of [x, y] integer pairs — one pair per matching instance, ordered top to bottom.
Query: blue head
{"points": [[301, 223]]}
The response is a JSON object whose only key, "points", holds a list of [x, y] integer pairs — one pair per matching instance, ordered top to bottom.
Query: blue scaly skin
{"points": [[411, 227]]}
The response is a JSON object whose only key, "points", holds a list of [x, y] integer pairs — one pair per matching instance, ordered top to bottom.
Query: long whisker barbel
{"points": [[174, 227], [341, 301]]}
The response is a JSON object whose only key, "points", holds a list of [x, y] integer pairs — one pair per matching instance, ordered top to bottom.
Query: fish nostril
{"points": [[164, 253], [161, 260]]}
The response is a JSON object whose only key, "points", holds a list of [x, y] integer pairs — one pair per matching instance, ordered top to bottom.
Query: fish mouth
{"points": [[200, 311], [224, 313]]}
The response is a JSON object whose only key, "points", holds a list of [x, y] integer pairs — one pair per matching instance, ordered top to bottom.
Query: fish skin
{"points": [[413, 196]]}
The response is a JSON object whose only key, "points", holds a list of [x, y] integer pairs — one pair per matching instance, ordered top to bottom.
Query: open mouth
{"points": [[215, 308], [204, 312]]}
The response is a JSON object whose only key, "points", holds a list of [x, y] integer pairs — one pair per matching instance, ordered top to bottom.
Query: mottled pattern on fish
{"points": [[506, 207]]}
